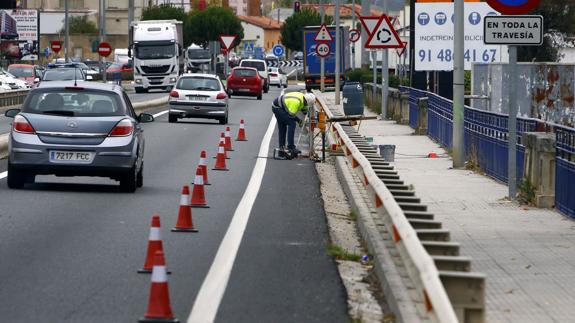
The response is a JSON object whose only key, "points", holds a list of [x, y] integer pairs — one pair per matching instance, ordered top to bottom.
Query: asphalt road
{"points": [[70, 247]]}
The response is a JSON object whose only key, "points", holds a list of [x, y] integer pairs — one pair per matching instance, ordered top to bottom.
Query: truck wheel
{"points": [[139, 90]]}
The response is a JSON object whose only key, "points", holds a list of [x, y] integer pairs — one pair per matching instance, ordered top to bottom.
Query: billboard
{"points": [[19, 33], [434, 36]]}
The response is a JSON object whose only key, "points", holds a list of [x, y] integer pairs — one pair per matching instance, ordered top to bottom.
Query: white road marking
{"points": [[160, 113], [3, 174], [214, 286]]}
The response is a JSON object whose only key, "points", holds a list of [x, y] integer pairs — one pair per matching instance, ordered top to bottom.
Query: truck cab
{"points": [[157, 54], [198, 59]]}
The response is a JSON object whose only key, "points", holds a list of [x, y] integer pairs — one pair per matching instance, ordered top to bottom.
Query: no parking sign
{"points": [[513, 7]]}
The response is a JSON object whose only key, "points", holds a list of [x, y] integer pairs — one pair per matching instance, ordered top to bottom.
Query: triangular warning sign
{"points": [[369, 23], [323, 35], [383, 36], [228, 41]]}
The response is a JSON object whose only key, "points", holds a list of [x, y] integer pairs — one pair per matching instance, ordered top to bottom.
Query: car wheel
{"points": [[266, 89], [259, 97], [172, 118], [140, 176], [16, 179], [128, 182]]}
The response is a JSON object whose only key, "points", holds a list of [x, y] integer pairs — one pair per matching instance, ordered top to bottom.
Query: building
{"points": [[240, 7], [262, 32]]}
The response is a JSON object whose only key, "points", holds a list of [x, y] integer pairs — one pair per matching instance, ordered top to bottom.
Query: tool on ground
{"points": [[242, 132], [228, 140], [221, 159], [204, 166], [198, 193], [185, 222], [154, 244], [159, 308]]}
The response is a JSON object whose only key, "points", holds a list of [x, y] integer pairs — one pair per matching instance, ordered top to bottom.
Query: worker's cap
{"points": [[309, 99]]}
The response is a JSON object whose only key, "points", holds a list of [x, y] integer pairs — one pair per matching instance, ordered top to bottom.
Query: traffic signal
{"points": [[8, 4], [296, 6]]}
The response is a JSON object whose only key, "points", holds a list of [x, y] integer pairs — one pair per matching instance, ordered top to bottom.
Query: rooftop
{"points": [[263, 22]]}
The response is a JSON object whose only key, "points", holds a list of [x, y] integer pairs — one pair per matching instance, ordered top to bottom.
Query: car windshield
{"points": [[155, 51], [198, 53], [260, 66], [21, 71], [244, 72], [63, 74], [198, 84], [73, 102]]}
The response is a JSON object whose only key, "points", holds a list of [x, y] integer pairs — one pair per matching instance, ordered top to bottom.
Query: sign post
{"points": [[369, 24], [514, 31], [322, 49]]}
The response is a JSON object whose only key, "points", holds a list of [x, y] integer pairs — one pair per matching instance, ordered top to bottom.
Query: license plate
{"points": [[244, 90], [196, 98], [80, 157]]}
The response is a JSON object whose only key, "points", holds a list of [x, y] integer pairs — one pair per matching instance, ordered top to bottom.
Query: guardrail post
{"points": [[422, 105], [539, 166]]}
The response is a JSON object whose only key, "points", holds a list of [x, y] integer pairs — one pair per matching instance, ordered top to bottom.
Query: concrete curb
{"points": [[138, 106], [395, 288]]}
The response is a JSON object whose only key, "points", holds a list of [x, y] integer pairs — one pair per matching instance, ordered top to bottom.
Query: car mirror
{"points": [[130, 52], [89, 77], [37, 80], [11, 113], [145, 117]]}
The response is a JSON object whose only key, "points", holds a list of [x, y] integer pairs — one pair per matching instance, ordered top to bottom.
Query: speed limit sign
{"points": [[322, 50]]}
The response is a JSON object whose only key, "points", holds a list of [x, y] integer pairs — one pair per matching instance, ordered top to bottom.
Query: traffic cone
{"points": [[242, 132], [228, 140], [223, 142], [220, 158], [204, 167], [198, 194], [185, 223], [154, 244], [159, 308]]}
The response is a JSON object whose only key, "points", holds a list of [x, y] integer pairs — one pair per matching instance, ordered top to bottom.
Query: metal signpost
{"points": [[369, 23], [513, 30], [228, 41], [322, 61]]}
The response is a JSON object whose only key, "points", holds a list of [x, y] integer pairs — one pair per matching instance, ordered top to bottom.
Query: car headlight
{"points": [[172, 79], [138, 81]]}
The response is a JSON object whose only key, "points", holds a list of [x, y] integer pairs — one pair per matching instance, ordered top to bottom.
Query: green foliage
{"points": [[167, 12], [559, 17], [210, 24], [81, 25], [292, 29], [366, 76], [525, 192], [340, 254]]}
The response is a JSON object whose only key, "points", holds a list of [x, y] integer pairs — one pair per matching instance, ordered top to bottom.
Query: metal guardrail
{"points": [[10, 98], [421, 267]]}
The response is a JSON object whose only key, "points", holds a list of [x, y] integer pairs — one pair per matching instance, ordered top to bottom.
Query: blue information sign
{"points": [[278, 50]]}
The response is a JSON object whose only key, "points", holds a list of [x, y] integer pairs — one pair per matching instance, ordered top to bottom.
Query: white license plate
{"points": [[244, 90], [197, 98], [80, 157]]}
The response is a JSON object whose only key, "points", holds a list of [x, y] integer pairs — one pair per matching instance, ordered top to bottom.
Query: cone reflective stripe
{"points": [[242, 132], [228, 140], [220, 159], [204, 166], [198, 194], [185, 222], [154, 244], [159, 308]]}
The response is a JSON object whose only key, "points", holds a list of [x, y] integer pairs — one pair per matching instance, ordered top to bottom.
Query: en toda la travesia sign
{"points": [[513, 30]]}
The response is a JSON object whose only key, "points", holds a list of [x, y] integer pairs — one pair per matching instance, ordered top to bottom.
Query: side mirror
{"points": [[130, 52], [89, 77], [37, 80], [11, 113], [145, 117]]}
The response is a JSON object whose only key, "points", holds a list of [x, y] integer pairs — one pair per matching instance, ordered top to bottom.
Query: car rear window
{"points": [[260, 66], [21, 71], [244, 73], [63, 74], [198, 84], [73, 102]]}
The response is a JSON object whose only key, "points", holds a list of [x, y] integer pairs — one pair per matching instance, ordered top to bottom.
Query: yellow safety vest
{"points": [[294, 102]]}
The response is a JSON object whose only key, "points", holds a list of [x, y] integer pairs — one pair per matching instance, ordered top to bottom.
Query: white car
{"points": [[262, 67], [277, 77], [12, 82]]}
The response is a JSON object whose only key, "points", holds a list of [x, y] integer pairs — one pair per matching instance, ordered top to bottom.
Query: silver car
{"points": [[198, 96], [83, 129]]}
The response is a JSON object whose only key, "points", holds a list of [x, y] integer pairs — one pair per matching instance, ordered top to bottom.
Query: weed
{"points": [[473, 163], [526, 192], [352, 216], [340, 254]]}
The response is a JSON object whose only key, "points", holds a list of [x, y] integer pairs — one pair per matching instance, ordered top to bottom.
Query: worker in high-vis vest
{"points": [[289, 109]]}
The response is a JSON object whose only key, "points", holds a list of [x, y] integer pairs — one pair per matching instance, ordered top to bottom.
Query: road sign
{"points": [[513, 7], [369, 23], [513, 30], [323, 35], [354, 35], [383, 36], [228, 40], [56, 46], [249, 47], [104, 49], [278, 50], [322, 50], [401, 51]]}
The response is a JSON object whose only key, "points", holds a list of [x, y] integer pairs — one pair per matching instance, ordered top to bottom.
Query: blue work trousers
{"points": [[286, 123]]}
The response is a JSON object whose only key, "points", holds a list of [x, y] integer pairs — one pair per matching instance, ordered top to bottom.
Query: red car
{"points": [[120, 68], [25, 72], [245, 81]]}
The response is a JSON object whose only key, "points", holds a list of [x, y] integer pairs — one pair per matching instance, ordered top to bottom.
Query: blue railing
{"points": [[414, 94], [565, 170]]}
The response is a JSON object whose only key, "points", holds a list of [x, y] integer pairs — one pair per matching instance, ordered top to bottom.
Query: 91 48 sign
{"points": [[446, 55]]}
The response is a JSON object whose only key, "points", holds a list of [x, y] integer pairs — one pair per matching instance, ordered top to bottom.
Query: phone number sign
{"points": [[434, 35]]}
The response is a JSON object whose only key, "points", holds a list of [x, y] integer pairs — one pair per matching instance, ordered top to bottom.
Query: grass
{"points": [[526, 192], [352, 216], [339, 253]]}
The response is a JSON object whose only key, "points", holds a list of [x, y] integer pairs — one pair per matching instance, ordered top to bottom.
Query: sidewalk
{"points": [[527, 254]]}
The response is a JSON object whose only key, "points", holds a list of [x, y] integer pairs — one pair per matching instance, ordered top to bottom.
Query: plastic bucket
{"points": [[387, 152]]}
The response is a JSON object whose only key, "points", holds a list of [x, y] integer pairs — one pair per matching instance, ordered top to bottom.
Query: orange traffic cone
{"points": [[242, 132], [228, 140], [222, 142], [220, 158], [204, 167], [198, 194], [185, 223], [154, 244], [159, 308]]}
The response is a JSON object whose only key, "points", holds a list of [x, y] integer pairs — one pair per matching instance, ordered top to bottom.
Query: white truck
{"points": [[157, 54], [121, 56], [198, 59]]}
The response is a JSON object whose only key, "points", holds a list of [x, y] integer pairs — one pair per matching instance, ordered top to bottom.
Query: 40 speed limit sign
{"points": [[322, 50]]}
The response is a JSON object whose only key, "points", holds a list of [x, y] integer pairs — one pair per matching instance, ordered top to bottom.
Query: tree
{"points": [[167, 12], [559, 18], [213, 22], [81, 25], [292, 29]]}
